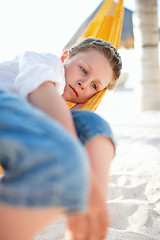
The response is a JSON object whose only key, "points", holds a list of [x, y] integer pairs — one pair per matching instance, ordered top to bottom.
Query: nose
{"points": [[83, 84]]}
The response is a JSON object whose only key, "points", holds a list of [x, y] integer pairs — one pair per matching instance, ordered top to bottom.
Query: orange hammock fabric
{"points": [[107, 25], [1, 170]]}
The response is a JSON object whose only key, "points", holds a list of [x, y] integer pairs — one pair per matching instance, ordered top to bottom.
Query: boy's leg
{"points": [[96, 134], [101, 152], [45, 169], [22, 223]]}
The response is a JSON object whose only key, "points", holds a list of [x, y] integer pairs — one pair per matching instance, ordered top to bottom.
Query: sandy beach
{"points": [[134, 186]]}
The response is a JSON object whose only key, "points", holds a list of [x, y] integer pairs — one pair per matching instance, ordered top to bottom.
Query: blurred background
{"points": [[42, 25], [47, 25]]}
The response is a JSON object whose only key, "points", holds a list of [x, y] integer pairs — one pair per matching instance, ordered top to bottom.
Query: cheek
{"points": [[69, 73], [87, 95]]}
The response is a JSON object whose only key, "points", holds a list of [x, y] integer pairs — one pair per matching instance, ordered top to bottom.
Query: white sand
{"points": [[134, 185]]}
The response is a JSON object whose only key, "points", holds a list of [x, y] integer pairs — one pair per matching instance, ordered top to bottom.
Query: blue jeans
{"points": [[44, 165]]}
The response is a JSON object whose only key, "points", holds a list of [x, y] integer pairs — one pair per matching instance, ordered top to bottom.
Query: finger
{"points": [[104, 223], [98, 225], [79, 227], [94, 229]]}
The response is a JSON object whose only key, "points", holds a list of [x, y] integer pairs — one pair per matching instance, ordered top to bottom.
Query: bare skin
{"points": [[86, 73], [47, 99], [22, 223], [93, 225]]}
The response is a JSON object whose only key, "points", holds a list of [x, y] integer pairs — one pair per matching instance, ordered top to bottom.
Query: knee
{"points": [[89, 124], [61, 156], [73, 156], [67, 161], [75, 163], [70, 165], [45, 177]]}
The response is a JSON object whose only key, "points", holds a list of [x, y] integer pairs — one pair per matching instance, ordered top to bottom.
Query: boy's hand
{"points": [[93, 224]]}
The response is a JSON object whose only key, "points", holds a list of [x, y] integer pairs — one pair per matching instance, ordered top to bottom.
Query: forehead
{"points": [[89, 53], [92, 57]]}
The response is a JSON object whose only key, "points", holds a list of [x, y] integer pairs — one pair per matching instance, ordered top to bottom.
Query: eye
{"points": [[83, 70], [94, 85]]}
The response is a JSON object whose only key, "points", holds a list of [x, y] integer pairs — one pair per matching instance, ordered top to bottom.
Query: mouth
{"points": [[74, 90]]}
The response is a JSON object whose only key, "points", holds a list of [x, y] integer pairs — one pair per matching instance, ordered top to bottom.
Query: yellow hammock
{"points": [[107, 25]]}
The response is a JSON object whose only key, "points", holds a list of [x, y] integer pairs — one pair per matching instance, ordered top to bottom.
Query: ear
{"points": [[65, 55]]}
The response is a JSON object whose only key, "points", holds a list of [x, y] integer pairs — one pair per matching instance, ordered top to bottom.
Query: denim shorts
{"points": [[44, 165]]}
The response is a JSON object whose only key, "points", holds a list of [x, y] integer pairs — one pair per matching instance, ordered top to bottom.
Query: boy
{"points": [[100, 68], [47, 170]]}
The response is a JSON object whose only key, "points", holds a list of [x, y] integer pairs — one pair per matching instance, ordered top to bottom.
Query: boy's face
{"points": [[86, 73]]}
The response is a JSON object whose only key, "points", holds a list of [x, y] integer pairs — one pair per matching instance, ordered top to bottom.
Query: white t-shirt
{"points": [[26, 72]]}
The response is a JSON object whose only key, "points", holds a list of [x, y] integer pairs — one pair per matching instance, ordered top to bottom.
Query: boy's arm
{"points": [[49, 101], [93, 223]]}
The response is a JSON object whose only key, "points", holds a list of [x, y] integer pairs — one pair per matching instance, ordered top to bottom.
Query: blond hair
{"points": [[107, 49]]}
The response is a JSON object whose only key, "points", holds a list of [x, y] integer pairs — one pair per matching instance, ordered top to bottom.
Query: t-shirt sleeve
{"points": [[35, 69]]}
